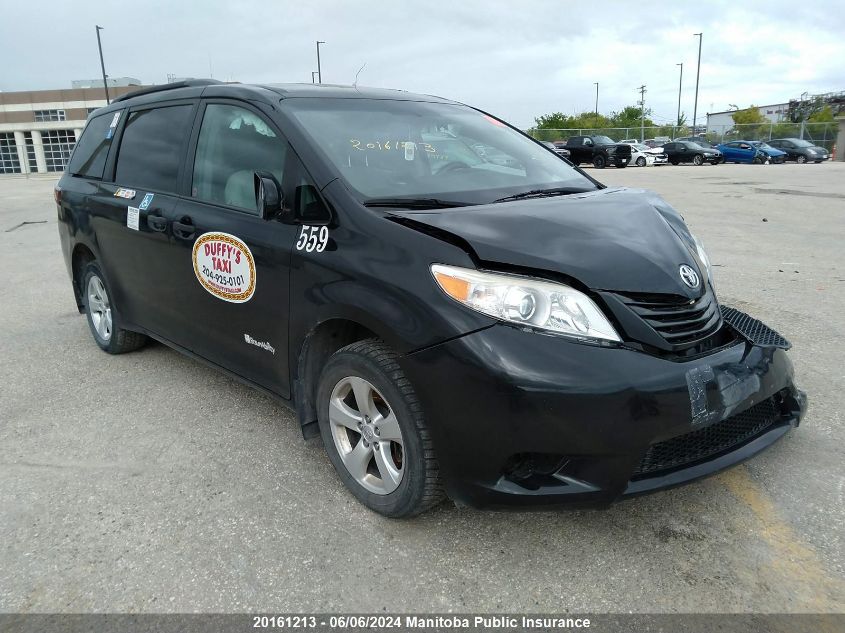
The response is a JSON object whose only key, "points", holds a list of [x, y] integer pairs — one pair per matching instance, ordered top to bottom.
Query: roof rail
{"points": [[188, 83]]}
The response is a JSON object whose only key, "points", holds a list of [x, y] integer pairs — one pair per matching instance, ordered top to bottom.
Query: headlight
{"points": [[702, 256], [526, 301]]}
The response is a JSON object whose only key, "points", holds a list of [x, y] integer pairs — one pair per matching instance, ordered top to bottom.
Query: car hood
{"points": [[818, 150], [772, 151], [623, 240]]}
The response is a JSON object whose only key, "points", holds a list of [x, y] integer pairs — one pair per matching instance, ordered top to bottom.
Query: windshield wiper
{"points": [[543, 193], [415, 203]]}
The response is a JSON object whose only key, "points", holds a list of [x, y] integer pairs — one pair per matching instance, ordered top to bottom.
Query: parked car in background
{"points": [[698, 139], [630, 141], [657, 141], [560, 148], [599, 150], [799, 150], [560, 151], [689, 152], [743, 152], [640, 155], [775, 155], [660, 157]]}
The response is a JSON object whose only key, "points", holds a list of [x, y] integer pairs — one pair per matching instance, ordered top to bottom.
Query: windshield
{"points": [[603, 140], [411, 149]]}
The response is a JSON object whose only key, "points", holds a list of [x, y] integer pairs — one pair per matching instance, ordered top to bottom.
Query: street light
{"points": [[700, 37], [102, 64], [319, 72], [680, 85], [597, 100]]}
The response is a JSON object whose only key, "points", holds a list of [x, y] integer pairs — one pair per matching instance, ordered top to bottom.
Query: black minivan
{"points": [[454, 308]]}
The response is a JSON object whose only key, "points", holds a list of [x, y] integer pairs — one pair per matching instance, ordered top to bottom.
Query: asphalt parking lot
{"points": [[149, 483]]}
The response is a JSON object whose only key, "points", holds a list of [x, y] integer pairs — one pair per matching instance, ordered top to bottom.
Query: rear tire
{"points": [[599, 162], [103, 318], [381, 448]]}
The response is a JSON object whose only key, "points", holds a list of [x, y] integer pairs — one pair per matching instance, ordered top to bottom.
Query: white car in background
{"points": [[641, 155]]}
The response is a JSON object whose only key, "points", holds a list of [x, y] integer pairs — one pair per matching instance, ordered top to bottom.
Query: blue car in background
{"points": [[742, 152], [774, 154]]}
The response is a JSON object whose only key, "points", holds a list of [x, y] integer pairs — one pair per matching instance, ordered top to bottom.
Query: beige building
{"points": [[38, 129]]}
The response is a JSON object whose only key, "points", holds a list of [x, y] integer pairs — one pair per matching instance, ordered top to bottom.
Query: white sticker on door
{"points": [[132, 218], [225, 267]]}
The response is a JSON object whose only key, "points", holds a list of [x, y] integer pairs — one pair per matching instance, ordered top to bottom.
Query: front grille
{"points": [[680, 321], [755, 331], [717, 438]]}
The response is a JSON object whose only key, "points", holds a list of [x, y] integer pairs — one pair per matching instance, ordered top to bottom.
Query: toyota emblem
{"points": [[689, 276]]}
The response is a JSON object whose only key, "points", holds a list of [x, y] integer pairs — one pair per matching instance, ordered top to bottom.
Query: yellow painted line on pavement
{"points": [[793, 563]]}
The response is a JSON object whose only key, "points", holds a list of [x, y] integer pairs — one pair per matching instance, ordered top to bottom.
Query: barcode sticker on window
{"points": [[132, 218]]}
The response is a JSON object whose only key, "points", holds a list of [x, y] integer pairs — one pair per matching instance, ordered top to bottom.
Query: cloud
{"points": [[518, 60]]}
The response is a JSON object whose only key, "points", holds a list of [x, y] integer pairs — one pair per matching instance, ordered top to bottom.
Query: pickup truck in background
{"points": [[601, 151]]}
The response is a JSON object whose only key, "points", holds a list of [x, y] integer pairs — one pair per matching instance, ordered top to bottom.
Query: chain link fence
{"points": [[822, 134]]}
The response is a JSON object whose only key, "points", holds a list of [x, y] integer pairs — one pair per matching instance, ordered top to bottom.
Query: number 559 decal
{"points": [[313, 238]]}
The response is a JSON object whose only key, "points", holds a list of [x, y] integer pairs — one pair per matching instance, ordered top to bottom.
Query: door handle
{"points": [[157, 223], [184, 228]]}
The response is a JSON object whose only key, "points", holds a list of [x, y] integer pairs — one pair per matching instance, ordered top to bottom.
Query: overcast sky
{"points": [[515, 59]]}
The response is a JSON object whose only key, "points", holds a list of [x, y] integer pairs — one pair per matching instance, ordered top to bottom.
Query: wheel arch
{"points": [[81, 256], [323, 340]]}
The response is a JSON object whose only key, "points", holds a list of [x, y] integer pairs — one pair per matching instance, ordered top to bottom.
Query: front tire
{"points": [[801, 159], [698, 160], [599, 162], [641, 162], [103, 319], [375, 433]]}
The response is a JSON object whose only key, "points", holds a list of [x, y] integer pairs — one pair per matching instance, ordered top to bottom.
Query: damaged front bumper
{"points": [[521, 418]]}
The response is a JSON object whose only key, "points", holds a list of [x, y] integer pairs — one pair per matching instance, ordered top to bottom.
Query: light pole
{"points": [[700, 37], [103, 65], [313, 72], [319, 72], [680, 85], [597, 101], [642, 112], [803, 114]]}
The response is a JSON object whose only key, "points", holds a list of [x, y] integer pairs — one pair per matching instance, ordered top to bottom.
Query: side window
{"points": [[588, 141], [233, 144], [669, 146], [151, 148], [89, 157]]}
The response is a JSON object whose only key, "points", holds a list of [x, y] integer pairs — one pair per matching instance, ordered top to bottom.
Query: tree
{"points": [[824, 115], [631, 116], [750, 116], [554, 121], [748, 122]]}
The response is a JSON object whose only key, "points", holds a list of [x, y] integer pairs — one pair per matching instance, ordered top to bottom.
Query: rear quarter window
{"points": [[152, 146], [89, 157]]}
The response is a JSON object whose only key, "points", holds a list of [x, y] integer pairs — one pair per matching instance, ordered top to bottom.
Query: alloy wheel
{"points": [[100, 308], [367, 435]]}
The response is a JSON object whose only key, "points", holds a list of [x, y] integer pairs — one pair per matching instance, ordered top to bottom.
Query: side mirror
{"points": [[268, 195]]}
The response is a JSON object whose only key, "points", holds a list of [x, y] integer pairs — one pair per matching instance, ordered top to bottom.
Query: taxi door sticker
{"points": [[224, 266]]}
